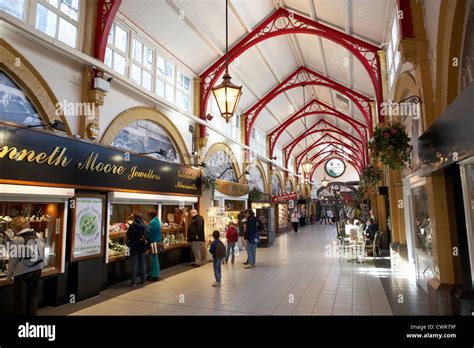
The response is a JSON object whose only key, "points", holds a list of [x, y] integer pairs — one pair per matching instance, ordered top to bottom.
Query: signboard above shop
{"points": [[40, 157], [231, 189], [285, 197]]}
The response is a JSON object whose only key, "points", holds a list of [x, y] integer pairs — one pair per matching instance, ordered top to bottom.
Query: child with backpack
{"points": [[218, 252]]}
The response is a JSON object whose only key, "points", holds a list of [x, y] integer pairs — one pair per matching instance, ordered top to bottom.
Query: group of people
{"points": [[327, 217], [368, 229], [248, 230], [139, 238]]}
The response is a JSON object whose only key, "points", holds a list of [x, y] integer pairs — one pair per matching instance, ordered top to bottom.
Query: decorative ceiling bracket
{"points": [[106, 11]]}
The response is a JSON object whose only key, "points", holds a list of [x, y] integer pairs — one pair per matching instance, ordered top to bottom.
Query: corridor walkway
{"points": [[295, 276]]}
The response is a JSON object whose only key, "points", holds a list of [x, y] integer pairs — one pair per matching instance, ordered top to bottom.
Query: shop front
{"points": [[446, 152], [80, 195], [229, 199], [284, 204], [265, 212]]}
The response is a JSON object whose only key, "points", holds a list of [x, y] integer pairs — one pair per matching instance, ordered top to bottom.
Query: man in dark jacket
{"points": [[371, 231], [196, 236], [252, 236], [137, 245]]}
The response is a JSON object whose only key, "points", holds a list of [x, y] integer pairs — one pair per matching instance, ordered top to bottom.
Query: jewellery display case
{"points": [[174, 222]]}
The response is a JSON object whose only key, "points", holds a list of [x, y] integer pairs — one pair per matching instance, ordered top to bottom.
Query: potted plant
{"points": [[392, 145]]}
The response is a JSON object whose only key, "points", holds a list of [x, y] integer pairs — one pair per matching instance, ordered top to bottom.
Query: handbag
{"points": [[156, 248]]}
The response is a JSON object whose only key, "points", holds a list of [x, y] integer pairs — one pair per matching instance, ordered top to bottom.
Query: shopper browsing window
{"points": [[330, 216], [295, 220], [153, 234], [196, 236], [232, 236], [136, 241], [218, 252], [25, 267]]}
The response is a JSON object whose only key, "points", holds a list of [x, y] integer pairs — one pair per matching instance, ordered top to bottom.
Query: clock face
{"points": [[335, 168]]}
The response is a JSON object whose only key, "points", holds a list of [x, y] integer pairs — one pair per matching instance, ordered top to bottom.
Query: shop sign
{"points": [[37, 156], [231, 189], [284, 197], [264, 198], [87, 227]]}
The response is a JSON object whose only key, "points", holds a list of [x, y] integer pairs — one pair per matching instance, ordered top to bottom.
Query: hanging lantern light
{"points": [[227, 94], [307, 165]]}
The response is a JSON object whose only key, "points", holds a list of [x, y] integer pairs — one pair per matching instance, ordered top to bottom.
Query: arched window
{"points": [[467, 68], [15, 105], [145, 136], [220, 164], [256, 178], [276, 185], [289, 186]]}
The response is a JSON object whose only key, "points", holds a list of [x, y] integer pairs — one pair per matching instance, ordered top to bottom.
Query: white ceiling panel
{"points": [[332, 11], [377, 11]]}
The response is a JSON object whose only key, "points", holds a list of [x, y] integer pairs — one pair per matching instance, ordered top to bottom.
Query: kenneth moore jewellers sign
{"points": [[39, 157]]}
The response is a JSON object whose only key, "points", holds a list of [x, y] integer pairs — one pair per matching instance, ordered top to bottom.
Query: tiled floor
{"points": [[298, 275]]}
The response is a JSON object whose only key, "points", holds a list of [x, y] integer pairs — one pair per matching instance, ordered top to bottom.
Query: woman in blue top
{"points": [[153, 234]]}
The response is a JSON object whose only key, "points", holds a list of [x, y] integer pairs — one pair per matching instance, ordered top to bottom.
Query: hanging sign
{"points": [[232, 189], [284, 197]]}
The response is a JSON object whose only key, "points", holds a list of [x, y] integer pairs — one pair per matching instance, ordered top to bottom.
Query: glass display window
{"points": [[45, 218], [175, 220], [421, 220]]}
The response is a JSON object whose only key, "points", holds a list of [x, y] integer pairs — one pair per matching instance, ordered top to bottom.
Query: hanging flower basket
{"points": [[392, 146], [370, 175], [209, 183], [361, 194]]}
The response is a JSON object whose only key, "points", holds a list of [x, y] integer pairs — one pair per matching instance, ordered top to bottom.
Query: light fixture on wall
{"points": [[227, 94], [306, 165], [229, 168], [246, 173]]}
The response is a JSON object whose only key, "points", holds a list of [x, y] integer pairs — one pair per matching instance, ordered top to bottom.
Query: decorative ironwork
{"points": [[106, 11], [284, 22], [315, 107], [332, 129]]}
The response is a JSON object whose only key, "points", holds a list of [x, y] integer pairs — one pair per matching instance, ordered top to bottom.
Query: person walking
{"points": [[323, 216], [330, 216], [295, 220], [153, 234], [231, 235], [196, 236], [252, 237], [136, 241], [217, 250], [25, 269]]}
